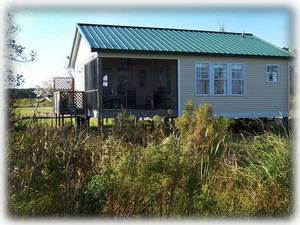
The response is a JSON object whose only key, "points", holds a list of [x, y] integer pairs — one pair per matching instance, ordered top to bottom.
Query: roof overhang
{"points": [[79, 34], [74, 50], [186, 53]]}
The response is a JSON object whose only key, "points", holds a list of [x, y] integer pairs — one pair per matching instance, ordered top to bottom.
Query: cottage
{"points": [[156, 71]]}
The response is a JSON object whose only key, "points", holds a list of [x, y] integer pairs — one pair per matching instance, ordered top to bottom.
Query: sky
{"points": [[50, 31]]}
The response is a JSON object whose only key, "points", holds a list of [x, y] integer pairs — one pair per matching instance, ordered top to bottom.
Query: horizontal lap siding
{"points": [[83, 56], [260, 96]]}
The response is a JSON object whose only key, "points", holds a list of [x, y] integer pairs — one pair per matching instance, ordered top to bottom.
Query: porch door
{"points": [[142, 75]]}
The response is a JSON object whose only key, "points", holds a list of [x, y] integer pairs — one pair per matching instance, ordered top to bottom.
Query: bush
{"points": [[49, 162], [150, 168], [259, 182], [96, 194]]}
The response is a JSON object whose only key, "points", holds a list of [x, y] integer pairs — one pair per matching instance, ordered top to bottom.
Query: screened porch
{"points": [[143, 87]]}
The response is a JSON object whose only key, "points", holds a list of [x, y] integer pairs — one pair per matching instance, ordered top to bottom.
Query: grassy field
{"points": [[29, 102], [24, 108], [28, 111], [48, 111]]}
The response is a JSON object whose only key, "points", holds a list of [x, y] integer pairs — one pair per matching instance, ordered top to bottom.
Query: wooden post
{"points": [[152, 83], [126, 85], [99, 93], [55, 119], [77, 121], [286, 123]]}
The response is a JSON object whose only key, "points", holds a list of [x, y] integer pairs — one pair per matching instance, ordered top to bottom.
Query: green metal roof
{"points": [[115, 38]]}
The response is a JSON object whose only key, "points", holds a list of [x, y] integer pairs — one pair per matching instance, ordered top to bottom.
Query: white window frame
{"points": [[266, 73], [209, 78], [225, 78], [230, 79]]}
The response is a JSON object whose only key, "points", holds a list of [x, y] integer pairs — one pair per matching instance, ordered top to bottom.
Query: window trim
{"points": [[244, 70], [278, 76], [209, 79], [228, 80], [225, 85]]}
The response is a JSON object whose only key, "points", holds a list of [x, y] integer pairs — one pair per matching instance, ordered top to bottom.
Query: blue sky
{"points": [[50, 31]]}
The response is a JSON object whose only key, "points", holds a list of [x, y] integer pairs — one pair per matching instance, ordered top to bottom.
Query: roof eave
{"points": [[72, 49], [185, 53]]}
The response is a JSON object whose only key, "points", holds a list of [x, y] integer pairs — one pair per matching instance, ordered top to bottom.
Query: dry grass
{"points": [[191, 168]]}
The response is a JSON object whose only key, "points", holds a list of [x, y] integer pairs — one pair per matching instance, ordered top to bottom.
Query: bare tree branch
{"points": [[16, 53]]}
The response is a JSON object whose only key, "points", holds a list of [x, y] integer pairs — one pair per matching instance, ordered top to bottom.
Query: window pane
{"points": [[274, 68], [202, 71], [219, 71], [197, 72], [237, 72], [272, 73], [270, 77], [273, 77], [219, 78], [237, 79], [105, 81], [202, 87], [219, 87], [237, 87]]}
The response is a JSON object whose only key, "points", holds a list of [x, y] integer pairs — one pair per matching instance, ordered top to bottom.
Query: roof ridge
{"points": [[167, 28]]}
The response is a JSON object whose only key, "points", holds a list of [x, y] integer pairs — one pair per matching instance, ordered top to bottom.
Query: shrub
{"points": [[49, 162], [150, 168], [259, 183], [96, 194]]}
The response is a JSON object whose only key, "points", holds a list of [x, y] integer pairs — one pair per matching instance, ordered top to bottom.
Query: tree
{"points": [[16, 53], [291, 67]]}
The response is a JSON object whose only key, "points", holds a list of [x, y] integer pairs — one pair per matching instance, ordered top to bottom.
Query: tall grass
{"points": [[193, 167]]}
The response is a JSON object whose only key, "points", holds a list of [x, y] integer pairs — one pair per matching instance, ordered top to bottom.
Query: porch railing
{"points": [[70, 102]]}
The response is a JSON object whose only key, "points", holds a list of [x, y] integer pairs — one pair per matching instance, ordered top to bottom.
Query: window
{"points": [[272, 73], [202, 79], [220, 79], [237, 79], [105, 81]]}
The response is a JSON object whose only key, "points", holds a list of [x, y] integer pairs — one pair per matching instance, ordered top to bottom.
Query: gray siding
{"points": [[261, 98]]}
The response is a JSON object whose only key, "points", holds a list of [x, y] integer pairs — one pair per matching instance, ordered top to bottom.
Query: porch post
{"points": [[126, 85], [99, 93]]}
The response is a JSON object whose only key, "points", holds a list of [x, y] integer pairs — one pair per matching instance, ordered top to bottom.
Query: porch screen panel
{"points": [[90, 71]]}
